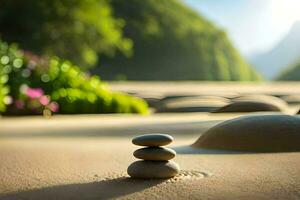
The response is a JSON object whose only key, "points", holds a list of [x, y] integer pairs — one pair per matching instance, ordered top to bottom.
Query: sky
{"points": [[254, 26]]}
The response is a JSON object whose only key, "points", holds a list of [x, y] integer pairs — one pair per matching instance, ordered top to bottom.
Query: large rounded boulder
{"points": [[263, 98], [255, 103], [192, 104], [249, 106], [254, 133]]}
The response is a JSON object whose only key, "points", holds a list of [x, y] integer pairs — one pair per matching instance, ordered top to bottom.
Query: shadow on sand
{"points": [[183, 128], [188, 149], [191, 150], [106, 189]]}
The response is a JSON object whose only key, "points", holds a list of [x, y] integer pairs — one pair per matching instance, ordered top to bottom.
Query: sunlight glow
{"points": [[285, 11]]}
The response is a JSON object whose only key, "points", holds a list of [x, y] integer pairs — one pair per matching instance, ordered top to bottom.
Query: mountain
{"points": [[173, 42], [287, 51], [291, 73]]}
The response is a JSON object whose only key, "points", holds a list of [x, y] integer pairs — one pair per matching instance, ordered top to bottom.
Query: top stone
{"points": [[152, 140]]}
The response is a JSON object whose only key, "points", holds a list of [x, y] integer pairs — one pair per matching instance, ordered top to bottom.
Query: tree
{"points": [[78, 30]]}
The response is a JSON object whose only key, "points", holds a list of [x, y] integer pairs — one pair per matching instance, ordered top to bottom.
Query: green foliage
{"points": [[77, 30], [172, 42], [10, 62], [291, 73], [37, 84], [78, 93], [2, 98]]}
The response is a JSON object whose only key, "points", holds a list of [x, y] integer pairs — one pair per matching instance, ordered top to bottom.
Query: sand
{"points": [[86, 156], [36, 164]]}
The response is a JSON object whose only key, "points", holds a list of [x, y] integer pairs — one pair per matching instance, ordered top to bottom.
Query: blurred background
{"points": [[55, 55]]}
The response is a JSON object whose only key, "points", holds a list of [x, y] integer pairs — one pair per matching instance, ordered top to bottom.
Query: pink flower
{"points": [[34, 92], [44, 100], [19, 104], [53, 106]]}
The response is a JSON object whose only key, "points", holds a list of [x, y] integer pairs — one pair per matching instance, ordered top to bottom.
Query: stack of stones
{"points": [[155, 161]]}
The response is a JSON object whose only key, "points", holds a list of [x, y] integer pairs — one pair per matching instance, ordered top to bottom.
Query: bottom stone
{"points": [[153, 169]]}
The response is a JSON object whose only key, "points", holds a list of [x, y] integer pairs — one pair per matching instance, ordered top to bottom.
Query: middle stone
{"points": [[155, 153]]}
